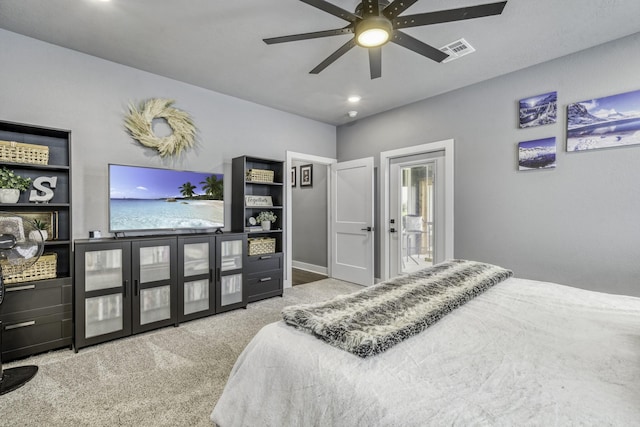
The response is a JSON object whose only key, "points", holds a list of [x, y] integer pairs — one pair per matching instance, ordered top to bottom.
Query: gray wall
{"points": [[49, 86], [309, 218], [577, 224]]}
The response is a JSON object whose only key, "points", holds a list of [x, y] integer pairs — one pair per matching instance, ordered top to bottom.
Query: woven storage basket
{"points": [[17, 152], [261, 175], [262, 245], [44, 268]]}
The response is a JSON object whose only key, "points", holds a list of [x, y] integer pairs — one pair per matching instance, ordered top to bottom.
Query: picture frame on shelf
{"points": [[306, 175], [293, 176], [252, 201], [49, 218]]}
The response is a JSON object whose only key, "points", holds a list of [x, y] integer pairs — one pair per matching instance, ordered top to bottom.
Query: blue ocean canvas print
{"points": [[539, 110], [612, 121], [537, 154]]}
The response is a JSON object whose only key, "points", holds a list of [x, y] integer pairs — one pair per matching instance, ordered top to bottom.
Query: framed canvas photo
{"points": [[539, 110], [612, 121], [537, 154], [306, 175], [293, 176]]}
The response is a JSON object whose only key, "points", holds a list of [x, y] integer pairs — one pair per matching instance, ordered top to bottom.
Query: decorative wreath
{"points": [[139, 125]]}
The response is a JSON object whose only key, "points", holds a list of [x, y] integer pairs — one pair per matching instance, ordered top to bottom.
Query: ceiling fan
{"points": [[376, 22]]}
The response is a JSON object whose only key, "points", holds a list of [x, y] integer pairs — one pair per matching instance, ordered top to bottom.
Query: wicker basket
{"points": [[17, 152], [260, 175], [262, 245], [44, 268]]}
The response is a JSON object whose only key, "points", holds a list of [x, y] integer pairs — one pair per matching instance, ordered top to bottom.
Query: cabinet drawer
{"points": [[264, 262], [267, 281], [36, 295], [32, 335]]}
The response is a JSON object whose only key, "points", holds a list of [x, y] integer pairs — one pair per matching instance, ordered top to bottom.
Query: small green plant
{"points": [[8, 179], [266, 216], [40, 225]]}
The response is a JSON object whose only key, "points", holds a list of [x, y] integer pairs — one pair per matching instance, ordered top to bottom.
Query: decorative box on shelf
{"points": [[18, 152], [260, 175], [262, 245], [43, 268]]}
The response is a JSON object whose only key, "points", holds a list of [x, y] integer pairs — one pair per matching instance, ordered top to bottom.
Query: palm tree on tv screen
{"points": [[213, 187], [187, 189]]}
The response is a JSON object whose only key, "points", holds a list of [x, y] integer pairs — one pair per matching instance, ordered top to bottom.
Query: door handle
{"points": [[366, 229], [392, 230], [125, 284], [135, 287]]}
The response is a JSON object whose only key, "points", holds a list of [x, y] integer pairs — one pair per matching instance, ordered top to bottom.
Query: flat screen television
{"points": [[150, 199]]}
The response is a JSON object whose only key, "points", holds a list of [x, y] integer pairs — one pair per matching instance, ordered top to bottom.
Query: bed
{"points": [[523, 352]]}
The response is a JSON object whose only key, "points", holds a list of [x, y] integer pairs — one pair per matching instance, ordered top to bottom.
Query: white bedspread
{"points": [[524, 353]]}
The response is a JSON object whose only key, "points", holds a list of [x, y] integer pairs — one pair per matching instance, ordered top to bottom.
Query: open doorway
{"points": [[307, 217]]}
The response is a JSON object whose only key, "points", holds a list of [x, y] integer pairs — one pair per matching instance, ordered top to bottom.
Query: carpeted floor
{"points": [[169, 377]]}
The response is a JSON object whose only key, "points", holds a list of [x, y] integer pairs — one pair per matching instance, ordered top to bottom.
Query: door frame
{"points": [[447, 146], [327, 162]]}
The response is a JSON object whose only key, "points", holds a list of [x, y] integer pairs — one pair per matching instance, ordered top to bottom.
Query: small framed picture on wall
{"points": [[306, 175], [293, 176]]}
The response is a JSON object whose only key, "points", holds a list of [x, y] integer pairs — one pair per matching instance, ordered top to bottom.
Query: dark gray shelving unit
{"points": [[264, 272], [37, 315]]}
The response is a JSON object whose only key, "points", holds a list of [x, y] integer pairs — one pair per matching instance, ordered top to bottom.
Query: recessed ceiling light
{"points": [[354, 98], [352, 114]]}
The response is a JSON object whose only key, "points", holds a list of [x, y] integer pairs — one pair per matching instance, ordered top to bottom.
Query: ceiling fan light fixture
{"points": [[373, 31]]}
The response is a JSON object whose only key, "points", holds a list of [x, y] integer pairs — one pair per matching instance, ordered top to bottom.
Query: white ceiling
{"points": [[218, 45]]}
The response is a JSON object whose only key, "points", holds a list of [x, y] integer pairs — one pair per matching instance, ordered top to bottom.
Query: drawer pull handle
{"points": [[265, 257], [265, 279], [19, 288], [20, 325]]}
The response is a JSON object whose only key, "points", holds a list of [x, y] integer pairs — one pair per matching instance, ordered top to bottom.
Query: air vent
{"points": [[457, 49]]}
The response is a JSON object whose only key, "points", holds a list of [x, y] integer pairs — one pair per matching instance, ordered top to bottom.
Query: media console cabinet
{"points": [[126, 286]]}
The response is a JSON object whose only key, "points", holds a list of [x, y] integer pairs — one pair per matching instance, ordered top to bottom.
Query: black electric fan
{"points": [[381, 18], [21, 244]]}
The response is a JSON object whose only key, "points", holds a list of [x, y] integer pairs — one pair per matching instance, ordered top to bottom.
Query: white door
{"points": [[416, 212], [352, 235]]}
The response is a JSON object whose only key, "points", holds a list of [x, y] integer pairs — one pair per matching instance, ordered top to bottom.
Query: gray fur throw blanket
{"points": [[376, 318]]}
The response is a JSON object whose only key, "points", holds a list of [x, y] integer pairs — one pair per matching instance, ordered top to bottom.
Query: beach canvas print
{"points": [[539, 110], [611, 121], [537, 154]]}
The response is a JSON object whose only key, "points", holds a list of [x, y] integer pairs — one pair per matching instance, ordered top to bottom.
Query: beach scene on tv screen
{"points": [[163, 199]]}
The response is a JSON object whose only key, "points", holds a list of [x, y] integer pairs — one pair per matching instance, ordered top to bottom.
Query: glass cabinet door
{"points": [[231, 255], [196, 264], [103, 270], [154, 284], [231, 289], [102, 292], [230, 292]]}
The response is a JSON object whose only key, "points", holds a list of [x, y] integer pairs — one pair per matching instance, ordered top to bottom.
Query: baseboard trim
{"points": [[310, 267]]}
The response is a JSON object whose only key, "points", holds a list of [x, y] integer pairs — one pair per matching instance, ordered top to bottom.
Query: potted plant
{"points": [[11, 185], [265, 219], [43, 232]]}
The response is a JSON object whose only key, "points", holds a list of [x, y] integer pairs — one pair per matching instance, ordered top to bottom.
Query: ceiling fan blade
{"points": [[396, 7], [370, 8], [333, 10], [449, 15], [306, 36], [417, 46], [335, 55], [375, 62]]}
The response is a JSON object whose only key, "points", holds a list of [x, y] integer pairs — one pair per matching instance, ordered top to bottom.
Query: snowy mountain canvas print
{"points": [[539, 110], [611, 121], [537, 154]]}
